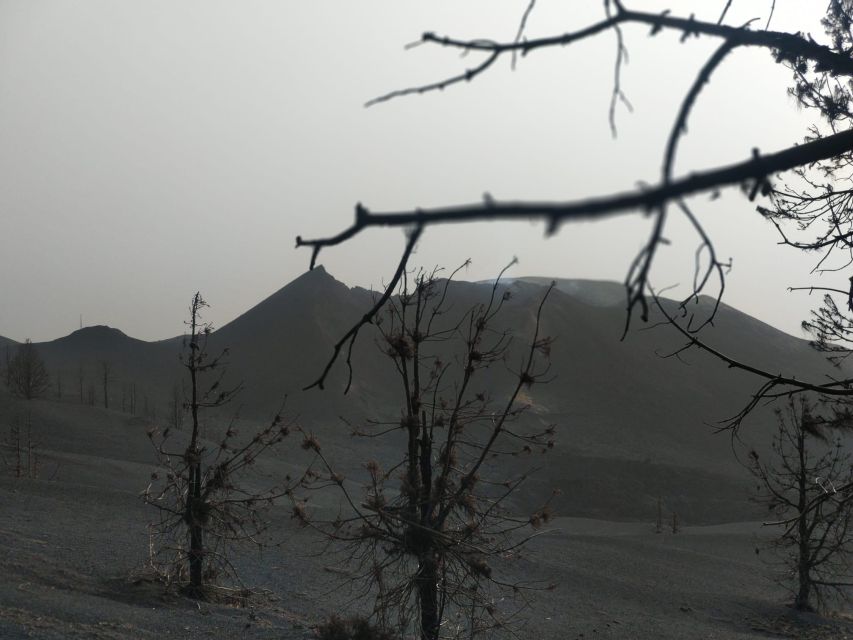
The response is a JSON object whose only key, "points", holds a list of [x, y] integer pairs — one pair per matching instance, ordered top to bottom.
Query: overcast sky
{"points": [[152, 149]]}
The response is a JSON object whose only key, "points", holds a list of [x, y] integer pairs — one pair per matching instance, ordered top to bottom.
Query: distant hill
{"points": [[632, 426]]}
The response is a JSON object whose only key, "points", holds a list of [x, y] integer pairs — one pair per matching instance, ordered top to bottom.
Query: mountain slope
{"points": [[632, 426]]}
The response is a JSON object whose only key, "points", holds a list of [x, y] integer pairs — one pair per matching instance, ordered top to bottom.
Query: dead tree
{"points": [[106, 371], [27, 373], [80, 380], [175, 409], [25, 460], [799, 486], [203, 508], [431, 530]]}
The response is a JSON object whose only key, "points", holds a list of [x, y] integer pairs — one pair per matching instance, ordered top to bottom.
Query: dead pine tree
{"points": [[27, 374], [803, 485], [204, 510], [429, 534]]}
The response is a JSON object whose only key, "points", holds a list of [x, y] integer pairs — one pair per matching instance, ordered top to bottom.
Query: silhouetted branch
{"points": [[725, 11], [770, 16], [522, 26], [786, 46], [465, 76], [617, 94], [687, 104], [756, 169], [555, 213], [714, 266], [811, 289], [351, 335], [773, 381]]}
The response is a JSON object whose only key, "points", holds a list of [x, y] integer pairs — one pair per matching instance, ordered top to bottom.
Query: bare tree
{"points": [[106, 372], [27, 374], [80, 380], [176, 408], [25, 460], [799, 486], [203, 508], [430, 551]]}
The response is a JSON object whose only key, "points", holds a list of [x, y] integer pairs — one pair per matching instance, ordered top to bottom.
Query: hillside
{"points": [[632, 427], [76, 540]]}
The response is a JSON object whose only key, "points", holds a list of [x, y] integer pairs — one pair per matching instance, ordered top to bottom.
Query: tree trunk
{"points": [[194, 499], [803, 548], [196, 551], [804, 577], [427, 586], [802, 600]]}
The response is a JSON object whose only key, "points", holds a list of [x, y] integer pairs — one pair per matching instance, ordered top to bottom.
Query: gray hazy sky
{"points": [[152, 149]]}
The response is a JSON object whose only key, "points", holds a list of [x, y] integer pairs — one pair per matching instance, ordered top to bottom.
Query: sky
{"points": [[152, 149]]}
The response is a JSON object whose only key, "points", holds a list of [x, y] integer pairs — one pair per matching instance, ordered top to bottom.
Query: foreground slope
{"points": [[76, 542]]}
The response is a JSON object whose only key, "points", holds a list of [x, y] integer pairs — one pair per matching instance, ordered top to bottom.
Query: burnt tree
{"points": [[27, 374], [106, 375], [799, 485], [204, 509], [430, 533]]}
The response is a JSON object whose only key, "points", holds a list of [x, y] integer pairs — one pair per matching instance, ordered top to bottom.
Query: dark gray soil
{"points": [[75, 541], [72, 552]]}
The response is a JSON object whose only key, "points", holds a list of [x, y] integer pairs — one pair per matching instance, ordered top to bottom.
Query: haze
{"points": [[149, 150]]}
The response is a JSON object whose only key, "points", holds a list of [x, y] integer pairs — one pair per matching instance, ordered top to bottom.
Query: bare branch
{"points": [[368, 317]]}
